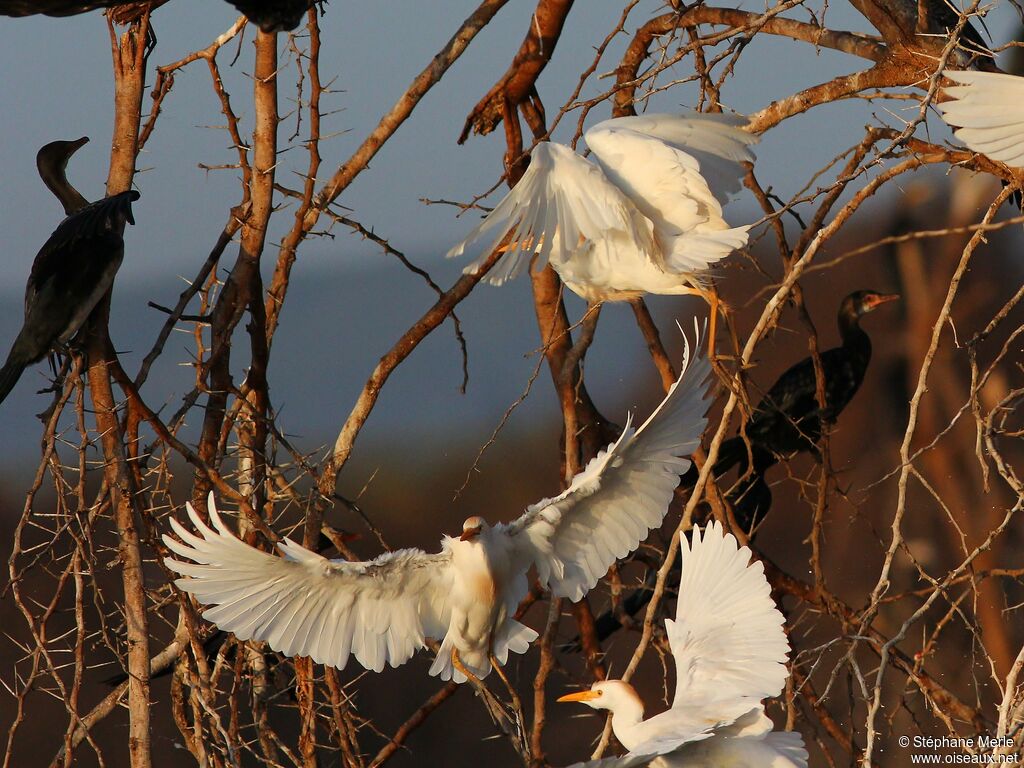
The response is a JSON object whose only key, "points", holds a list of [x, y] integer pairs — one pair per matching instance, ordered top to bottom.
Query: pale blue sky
{"points": [[373, 50]]}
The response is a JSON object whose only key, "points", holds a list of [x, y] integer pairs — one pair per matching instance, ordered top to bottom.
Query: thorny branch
{"points": [[923, 639]]}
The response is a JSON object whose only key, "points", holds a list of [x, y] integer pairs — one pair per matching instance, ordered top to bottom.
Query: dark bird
{"points": [[269, 15], [925, 26], [73, 270], [788, 419]]}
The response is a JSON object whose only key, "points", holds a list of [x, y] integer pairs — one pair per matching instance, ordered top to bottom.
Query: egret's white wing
{"points": [[988, 108], [718, 142], [667, 186], [561, 199], [622, 493], [303, 604], [727, 640], [729, 647], [748, 743], [777, 749], [626, 761]]}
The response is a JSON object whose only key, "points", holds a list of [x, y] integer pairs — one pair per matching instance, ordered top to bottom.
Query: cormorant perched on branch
{"points": [[269, 15], [73, 270], [788, 418], [785, 422]]}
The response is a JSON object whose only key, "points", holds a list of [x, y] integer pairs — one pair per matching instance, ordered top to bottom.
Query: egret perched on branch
{"points": [[988, 110], [644, 215], [75, 267], [465, 596], [730, 651]]}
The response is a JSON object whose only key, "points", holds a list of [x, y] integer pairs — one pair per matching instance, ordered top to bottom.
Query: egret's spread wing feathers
{"points": [[988, 110], [717, 141], [667, 185], [560, 200], [622, 493], [303, 604], [728, 639], [729, 647], [774, 749], [789, 749], [626, 761]]}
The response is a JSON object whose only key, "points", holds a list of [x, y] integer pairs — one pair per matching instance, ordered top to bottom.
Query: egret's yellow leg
{"points": [[716, 305], [457, 663], [504, 678], [517, 705]]}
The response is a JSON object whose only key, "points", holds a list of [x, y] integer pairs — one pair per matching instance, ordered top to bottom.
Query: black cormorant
{"points": [[269, 15], [73, 270], [788, 418]]}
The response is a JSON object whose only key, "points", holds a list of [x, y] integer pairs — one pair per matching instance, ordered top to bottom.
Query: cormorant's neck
{"points": [[69, 197], [855, 339]]}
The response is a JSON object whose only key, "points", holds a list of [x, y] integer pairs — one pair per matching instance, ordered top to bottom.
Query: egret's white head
{"points": [[472, 528], [614, 695]]}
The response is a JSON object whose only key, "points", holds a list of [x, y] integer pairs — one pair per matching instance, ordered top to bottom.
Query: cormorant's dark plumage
{"points": [[269, 15], [73, 269], [788, 418]]}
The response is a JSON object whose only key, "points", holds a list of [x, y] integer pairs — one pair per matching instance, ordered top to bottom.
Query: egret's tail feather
{"points": [[510, 636], [476, 662]]}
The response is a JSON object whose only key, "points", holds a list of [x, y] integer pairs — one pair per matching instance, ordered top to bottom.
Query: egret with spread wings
{"points": [[988, 110], [643, 215], [383, 611], [730, 652]]}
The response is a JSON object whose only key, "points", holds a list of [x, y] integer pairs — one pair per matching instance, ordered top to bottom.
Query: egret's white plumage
{"points": [[988, 110], [643, 216], [384, 610], [730, 652]]}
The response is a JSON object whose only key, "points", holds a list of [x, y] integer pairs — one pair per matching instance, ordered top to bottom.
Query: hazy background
{"points": [[372, 50], [349, 302]]}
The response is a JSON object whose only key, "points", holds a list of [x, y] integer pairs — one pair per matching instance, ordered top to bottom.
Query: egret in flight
{"points": [[988, 110], [643, 215], [73, 270], [384, 610], [730, 651]]}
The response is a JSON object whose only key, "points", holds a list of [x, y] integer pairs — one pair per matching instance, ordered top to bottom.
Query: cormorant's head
{"points": [[53, 158], [51, 161], [859, 303]]}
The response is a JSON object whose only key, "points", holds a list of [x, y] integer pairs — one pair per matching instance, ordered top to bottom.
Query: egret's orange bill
{"points": [[580, 696]]}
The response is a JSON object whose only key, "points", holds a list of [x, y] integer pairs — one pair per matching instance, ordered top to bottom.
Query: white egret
{"points": [[987, 109], [644, 215], [384, 610], [730, 651]]}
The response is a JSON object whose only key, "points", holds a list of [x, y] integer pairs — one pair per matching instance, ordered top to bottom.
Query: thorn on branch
{"points": [[187, 318]]}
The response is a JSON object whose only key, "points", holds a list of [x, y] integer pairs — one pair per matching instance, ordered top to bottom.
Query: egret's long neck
{"points": [[627, 714]]}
